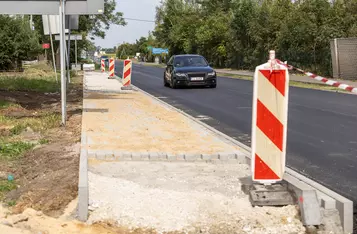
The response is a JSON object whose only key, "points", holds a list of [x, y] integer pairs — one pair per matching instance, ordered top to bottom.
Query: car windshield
{"points": [[190, 61]]}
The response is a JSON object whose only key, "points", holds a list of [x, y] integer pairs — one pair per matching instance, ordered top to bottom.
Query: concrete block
{"points": [[83, 138], [91, 154], [100, 155], [109, 155], [118, 155], [127, 156], [144, 156], [154, 156], [162, 156], [214, 156], [223, 156], [136, 157], [171, 157], [180, 157], [192, 157], [206, 157], [241, 157], [83, 193], [307, 200], [309, 208]]}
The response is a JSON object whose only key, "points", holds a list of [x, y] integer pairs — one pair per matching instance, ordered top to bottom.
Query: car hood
{"points": [[193, 69]]}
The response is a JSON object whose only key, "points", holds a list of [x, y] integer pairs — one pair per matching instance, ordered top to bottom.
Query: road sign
{"points": [[50, 7], [52, 22], [74, 37], [45, 45], [160, 51], [269, 123]]}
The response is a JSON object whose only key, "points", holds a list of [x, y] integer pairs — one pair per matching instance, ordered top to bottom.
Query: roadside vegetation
{"points": [[238, 34], [32, 140]]}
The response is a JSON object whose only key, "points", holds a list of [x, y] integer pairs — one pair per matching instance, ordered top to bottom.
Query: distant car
{"points": [[189, 70]]}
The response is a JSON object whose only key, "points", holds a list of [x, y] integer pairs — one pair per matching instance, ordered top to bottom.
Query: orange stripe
{"points": [[127, 73], [277, 78], [270, 125], [262, 171]]}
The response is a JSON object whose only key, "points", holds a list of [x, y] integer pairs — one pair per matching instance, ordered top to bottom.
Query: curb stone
{"points": [[160, 156]]}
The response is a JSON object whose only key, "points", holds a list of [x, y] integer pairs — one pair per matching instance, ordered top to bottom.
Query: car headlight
{"points": [[212, 73], [181, 74]]}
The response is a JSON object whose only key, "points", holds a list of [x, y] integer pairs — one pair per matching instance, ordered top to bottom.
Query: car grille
{"points": [[197, 75]]}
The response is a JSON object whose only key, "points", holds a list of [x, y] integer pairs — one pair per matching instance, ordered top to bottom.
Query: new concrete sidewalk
{"points": [[299, 78], [145, 165]]}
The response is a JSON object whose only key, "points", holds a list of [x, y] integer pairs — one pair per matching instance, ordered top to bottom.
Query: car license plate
{"points": [[196, 78]]}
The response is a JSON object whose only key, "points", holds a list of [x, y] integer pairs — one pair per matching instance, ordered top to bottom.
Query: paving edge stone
{"points": [[110, 155], [83, 192]]}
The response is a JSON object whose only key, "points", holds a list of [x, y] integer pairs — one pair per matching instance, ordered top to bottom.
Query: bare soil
{"points": [[47, 176]]}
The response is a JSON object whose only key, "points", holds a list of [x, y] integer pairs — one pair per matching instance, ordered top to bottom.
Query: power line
{"points": [[142, 20]]}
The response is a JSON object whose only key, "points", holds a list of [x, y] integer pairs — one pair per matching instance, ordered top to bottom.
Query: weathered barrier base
{"points": [[127, 87], [281, 194], [271, 195]]}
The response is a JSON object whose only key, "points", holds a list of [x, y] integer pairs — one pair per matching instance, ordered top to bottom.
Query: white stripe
{"points": [[127, 67], [309, 74], [319, 78], [331, 82], [343, 86], [354, 90], [271, 98], [269, 153]]}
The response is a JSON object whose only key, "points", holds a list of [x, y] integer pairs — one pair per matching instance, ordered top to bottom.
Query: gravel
{"points": [[195, 197]]}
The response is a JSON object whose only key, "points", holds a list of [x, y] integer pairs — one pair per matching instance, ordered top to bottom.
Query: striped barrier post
{"points": [[103, 65], [111, 68], [127, 73], [322, 79], [269, 123]]}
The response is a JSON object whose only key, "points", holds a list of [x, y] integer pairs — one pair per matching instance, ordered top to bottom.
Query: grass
{"points": [[23, 83], [292, 83], [40, 124], [14, 150], [7, 186]]}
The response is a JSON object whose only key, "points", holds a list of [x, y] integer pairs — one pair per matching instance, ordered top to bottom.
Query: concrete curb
{"points": [[300, 184], [83, 192]]}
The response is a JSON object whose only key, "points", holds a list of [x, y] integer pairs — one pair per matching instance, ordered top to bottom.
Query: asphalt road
{"points": [[322, 126]]}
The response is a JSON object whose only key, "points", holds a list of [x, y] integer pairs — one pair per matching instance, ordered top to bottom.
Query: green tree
{"points": [[18, 42]]}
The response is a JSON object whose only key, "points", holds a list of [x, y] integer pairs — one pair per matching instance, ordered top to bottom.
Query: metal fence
{"points": [[344, 58]]}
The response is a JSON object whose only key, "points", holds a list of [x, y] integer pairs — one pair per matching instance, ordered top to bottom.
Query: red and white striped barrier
{"points": [[103, 65], [111, 67], [127, 72], [322, 79], [269, 123]]}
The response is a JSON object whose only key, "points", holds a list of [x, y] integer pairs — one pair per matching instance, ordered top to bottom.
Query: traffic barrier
{"points": [[103, 65], [111, 68], [127, 72], [322, 79], [269, 123]]}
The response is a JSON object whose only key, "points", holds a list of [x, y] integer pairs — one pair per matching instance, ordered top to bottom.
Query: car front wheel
{"points": [[165, 82]]}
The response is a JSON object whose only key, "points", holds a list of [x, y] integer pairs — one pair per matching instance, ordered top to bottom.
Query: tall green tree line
{"points": [[239, 33]]}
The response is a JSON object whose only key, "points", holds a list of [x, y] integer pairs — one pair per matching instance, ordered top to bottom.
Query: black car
{"points": [[189, 70]]}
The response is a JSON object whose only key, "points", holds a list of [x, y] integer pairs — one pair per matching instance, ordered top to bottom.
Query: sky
{"points": [[136, 9]]}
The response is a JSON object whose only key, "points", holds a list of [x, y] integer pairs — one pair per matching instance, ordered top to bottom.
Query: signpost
{"points": [[54, 7], [75, 38], [45, 46]]}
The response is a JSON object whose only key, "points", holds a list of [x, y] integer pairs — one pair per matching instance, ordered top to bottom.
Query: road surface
{"points": [[322, 126]]}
